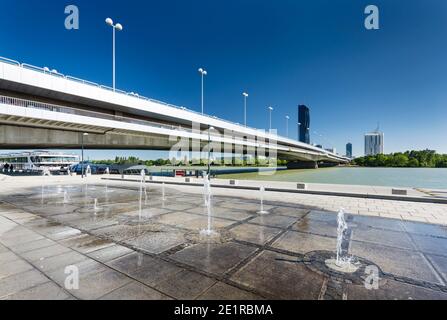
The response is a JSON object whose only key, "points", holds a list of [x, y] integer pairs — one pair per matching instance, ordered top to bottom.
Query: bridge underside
{"points": [[28, 137]]}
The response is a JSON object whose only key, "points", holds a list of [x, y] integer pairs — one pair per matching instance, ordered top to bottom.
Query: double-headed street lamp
{"points": [[115, 27], [203, 73], [245, 94], [270, 115], [82, 153]]}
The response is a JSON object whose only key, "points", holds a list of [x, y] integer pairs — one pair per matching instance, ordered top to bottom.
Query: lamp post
{"points": [[115, 27], [203, 73], [245, 94], [270, 115], [287, 126], [299, 130], [209, 150], [82, 153]]}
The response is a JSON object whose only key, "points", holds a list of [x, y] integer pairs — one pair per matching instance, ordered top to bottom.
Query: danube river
{"points": [[391, 177]]}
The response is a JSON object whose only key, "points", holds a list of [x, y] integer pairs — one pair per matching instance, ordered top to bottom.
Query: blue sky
{"points": [[284, 53]]}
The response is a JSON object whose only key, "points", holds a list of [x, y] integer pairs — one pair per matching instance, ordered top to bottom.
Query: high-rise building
{"points": [[303, 124], [374, 143], [349, 150]]}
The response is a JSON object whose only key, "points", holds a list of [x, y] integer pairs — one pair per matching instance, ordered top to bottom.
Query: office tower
{"points": [[303, 124], [374, 143], [349, 150]]}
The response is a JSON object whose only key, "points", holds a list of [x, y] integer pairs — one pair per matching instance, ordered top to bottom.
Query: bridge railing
{"points": [[86, 82], [12, 101]]}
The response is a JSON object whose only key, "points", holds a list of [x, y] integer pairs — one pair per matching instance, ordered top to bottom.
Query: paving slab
{"points": [[273, 220], [193, 221], [379, 223], [322, 228], [425, 229], [254, 234], [383, 237], [158, 241], [303, 243], [429, 244], [33, 245], [44, 253], [109, 253], [216, 259], [60, 261], [399, 262], [440, 264], [14, 267], [151, 271], [277, 276], [21, 281], [98, 284], [185, 285], [393, 290], [45, 291], [135, 291], [223, 291]]}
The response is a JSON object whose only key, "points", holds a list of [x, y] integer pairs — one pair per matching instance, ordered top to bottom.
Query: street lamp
{"points": [[115, 27], [203, 73], [245, 94], [270, 114], [287, 126], [299, 130], [209, 150], [82, 153]]}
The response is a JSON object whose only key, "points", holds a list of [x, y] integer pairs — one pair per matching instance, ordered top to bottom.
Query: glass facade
{"points": [[304, 124]]}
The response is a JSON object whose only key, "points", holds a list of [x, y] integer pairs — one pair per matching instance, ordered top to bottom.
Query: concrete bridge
{"points": [[44, 109]]}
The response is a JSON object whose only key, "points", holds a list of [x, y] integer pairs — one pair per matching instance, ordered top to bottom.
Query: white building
{"points": [[374, 143]]}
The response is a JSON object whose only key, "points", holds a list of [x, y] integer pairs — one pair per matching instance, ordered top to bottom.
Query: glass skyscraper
{"points": [[304, 124], [349, 150]]}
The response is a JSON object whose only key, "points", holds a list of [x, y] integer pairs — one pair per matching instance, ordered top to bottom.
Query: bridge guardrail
{"points": [[68, 110]]}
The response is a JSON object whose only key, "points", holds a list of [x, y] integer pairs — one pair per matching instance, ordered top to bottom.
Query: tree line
{"points": [[408, 159], [238, 162]]}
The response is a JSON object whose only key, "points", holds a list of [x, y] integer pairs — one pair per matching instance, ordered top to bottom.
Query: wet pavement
{"points": [[133, 245]]}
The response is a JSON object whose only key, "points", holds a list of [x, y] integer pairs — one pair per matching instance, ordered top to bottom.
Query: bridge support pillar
{"points": [[302, 165]]}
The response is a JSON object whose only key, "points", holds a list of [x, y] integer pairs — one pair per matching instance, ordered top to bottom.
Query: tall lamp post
{"points": [[115, 27], [203, 73], [245, 94], [270, 115], [287, 126], [209, 150], [82, 153]]}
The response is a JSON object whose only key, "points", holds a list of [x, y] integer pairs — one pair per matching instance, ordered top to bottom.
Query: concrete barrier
{"points": [[301, 186], [400, 192]]}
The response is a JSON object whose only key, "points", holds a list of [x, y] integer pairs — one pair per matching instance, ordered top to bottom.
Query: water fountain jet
{"points": [[262, 192], [207, 199], [342, 263]]}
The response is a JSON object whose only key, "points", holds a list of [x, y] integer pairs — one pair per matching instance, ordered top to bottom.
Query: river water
{"points": [[392, 177]]}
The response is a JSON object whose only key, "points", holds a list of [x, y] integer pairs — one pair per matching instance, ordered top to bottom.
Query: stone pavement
{"points": [[136, 246]]}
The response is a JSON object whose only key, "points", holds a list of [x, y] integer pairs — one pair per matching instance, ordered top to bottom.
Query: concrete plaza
{"points": [[137, 246]]}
